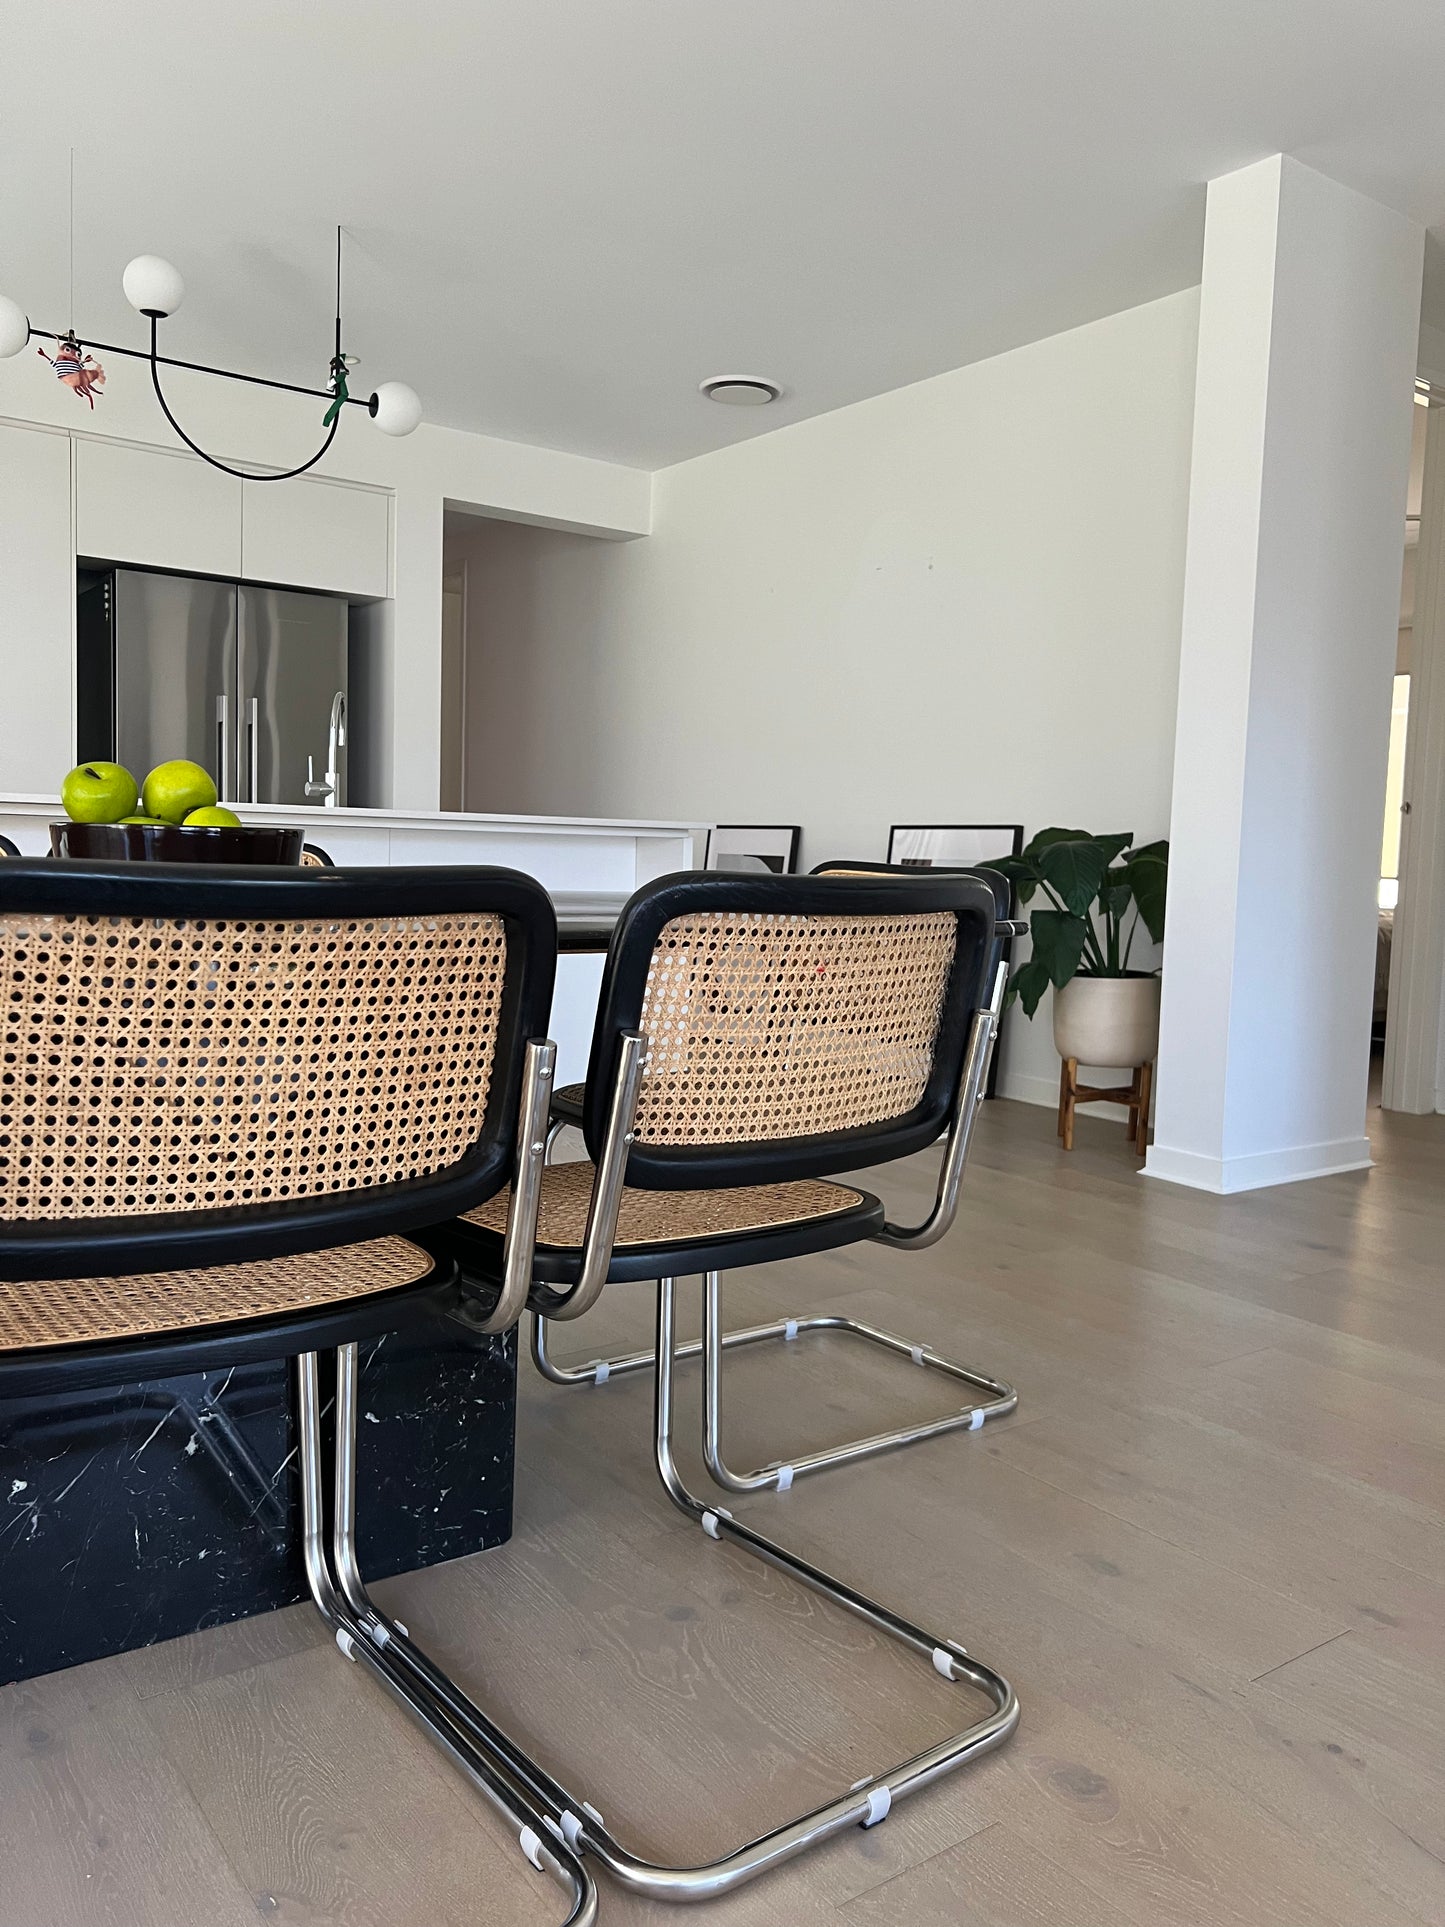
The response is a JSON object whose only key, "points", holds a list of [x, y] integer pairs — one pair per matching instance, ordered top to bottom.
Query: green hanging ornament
{"points": [[338, 389]]}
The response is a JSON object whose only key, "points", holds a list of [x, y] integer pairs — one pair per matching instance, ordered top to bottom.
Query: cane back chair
{"points": [[755, 1037], [225, 1094], [997, 1397]]}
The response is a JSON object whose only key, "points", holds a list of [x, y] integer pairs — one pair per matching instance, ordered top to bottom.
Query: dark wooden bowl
{"points": [[175, 843]]}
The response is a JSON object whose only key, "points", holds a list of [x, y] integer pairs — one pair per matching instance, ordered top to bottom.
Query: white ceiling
{"points": [[566, 213]]}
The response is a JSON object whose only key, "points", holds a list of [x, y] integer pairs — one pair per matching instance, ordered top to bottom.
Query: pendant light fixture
{"points": [[155, 290]]}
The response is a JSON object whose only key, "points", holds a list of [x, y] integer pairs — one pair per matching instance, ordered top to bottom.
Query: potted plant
{"points": [[1099, 890]]}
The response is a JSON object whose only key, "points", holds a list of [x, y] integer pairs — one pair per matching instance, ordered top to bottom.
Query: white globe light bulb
{"points": [[153, 286], [14, 328], [395, 408]]}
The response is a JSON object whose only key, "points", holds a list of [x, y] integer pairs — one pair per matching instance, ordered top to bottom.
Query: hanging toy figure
{"points": [[81, 372], [338, 387]]}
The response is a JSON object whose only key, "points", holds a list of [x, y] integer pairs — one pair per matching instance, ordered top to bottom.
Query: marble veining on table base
{"points": [[139, 1512]]}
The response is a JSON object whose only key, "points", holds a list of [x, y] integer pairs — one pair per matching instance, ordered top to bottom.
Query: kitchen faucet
{"points": [[330, 788]]}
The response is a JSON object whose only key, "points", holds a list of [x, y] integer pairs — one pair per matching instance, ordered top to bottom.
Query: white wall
{"points": [[424, 471], [956, 602]]}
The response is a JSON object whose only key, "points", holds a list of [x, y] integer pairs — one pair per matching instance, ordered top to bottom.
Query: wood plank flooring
{"points": [[1209, 1550]]}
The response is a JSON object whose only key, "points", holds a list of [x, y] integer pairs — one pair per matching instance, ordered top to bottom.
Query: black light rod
{"points": [[203, 368]]}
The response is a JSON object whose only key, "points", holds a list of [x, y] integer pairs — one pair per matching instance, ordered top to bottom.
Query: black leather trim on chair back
{"points": [[797, 1026], [201, 1064]]}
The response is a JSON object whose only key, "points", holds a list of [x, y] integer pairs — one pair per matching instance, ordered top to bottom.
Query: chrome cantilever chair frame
{"points": [[146, 933], [999, 1398], [361, 1633], [506, 1772], [573, 1820]]}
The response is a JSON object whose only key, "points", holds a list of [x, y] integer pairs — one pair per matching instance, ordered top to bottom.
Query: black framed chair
{"points": [[7, 848], [313, 857], [755, 1037], [225, 1096], [998, 1398]]}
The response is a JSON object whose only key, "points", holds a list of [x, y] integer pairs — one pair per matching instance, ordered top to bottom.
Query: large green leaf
{"points": [[1041, 840], [1112, 844], [1072, 863], [1074, 868], [1020, 872], [1148, 873], [1116, 892], [1058, 942], [1030, 981]]}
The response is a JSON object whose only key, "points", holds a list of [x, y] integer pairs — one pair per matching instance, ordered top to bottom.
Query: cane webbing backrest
{"points": [[763, 1026], [794, 1026], [202, 1056], [175, 1066]]}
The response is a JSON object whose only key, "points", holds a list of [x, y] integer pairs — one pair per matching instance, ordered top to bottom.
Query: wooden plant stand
{"points": [[1135, 1095]]}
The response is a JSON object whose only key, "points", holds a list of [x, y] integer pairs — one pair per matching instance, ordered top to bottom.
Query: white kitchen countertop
{"points": [[316, 819]]}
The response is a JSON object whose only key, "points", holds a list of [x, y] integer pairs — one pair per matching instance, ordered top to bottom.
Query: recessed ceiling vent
{"points": [[741, 391]]}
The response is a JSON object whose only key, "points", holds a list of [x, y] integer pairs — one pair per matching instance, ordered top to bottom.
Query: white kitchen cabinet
{"points": [[156, 509], [309, 534], [37, 596]]}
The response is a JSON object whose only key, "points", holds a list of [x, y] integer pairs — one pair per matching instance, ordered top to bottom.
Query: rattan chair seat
{"points": [[670, 1217], [85, 1311]]}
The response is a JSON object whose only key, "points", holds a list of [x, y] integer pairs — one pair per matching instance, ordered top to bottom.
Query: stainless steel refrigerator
{"points": [[250, 683]]}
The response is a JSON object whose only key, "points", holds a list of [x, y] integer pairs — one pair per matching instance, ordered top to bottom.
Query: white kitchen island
{"points": [[589, 865]]}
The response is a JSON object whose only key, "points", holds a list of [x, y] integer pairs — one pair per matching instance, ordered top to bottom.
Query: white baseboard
{"points": [[1227, 1175]]}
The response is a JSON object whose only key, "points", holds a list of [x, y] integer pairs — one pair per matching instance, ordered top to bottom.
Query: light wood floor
{"points": [[1209, 1550]]}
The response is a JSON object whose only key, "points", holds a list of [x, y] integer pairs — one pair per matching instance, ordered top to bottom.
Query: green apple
{"points": [[173, 790], [98, 793], [216, 818], [141, 819]]}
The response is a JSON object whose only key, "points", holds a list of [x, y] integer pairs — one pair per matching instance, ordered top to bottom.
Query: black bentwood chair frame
{"points": [[754, 1037], [224, 1094], [999, 1398]]}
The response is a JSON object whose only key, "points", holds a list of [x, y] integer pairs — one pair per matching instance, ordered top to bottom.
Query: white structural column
{"points": [[1309, 319]]}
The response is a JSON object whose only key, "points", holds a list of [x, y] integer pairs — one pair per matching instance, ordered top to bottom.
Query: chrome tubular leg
{"points": [[596, 1372], [999, 1400], [357, 1637], [871, 1800], [574, 1822]]}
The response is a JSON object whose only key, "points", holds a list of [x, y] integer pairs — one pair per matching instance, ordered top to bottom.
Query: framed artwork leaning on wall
{"points": [[754, 846], [952, 846]]}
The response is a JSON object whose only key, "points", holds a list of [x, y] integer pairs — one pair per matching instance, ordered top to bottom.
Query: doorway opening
{"points": [[1389, 891]]}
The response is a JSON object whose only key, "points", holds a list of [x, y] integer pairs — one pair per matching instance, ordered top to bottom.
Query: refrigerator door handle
{"points": [[253, 732], [223, 747]]}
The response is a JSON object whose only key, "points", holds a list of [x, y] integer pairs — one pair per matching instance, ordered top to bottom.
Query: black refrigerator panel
{"points": [[94, 666]]}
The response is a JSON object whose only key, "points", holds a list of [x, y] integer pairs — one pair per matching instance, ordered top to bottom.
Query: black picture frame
{"points": [[987, 842], [779, 860]]}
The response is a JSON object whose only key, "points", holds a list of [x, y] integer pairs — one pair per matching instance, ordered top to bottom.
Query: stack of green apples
{"points": [[176, 792]]}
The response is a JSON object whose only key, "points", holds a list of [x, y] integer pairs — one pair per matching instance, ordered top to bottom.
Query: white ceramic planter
{"points": [[1113, 1021]]}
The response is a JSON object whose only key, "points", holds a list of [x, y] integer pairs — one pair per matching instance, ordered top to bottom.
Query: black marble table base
{"points": [[140, 1512]]}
